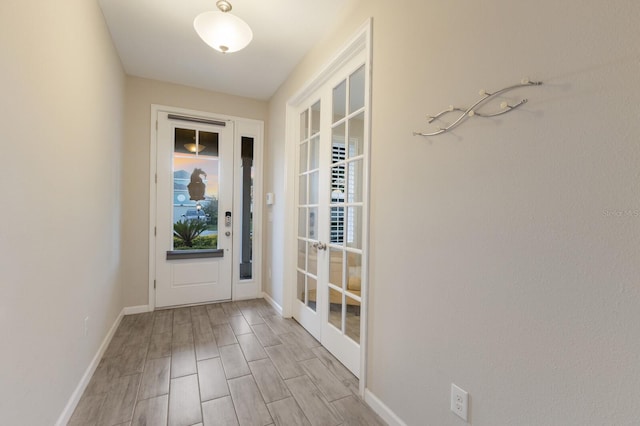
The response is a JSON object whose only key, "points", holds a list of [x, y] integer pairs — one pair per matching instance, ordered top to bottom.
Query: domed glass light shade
{"points": [[223, 31]]}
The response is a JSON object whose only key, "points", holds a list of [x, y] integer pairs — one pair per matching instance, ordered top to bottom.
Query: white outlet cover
{"points": [[459, 402]]}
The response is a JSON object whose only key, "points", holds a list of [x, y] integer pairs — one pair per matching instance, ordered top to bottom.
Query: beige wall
{"points": [[140, 94], [61, 117], [505, 255]]}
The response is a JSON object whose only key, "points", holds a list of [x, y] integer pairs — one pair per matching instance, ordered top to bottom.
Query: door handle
{"points": [[319, 245]]}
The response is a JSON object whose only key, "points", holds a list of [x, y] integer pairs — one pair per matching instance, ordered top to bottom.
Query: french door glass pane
{"points": [[356, 90], [339, 101], [315, 118], [304, 125], [356, 136], [338, 149], [314, 153], [303, 157], [354, 181], [338, 184], [313, 187], [195, 189], [302, 190], [302, 222], [313, 223], [337, 225], [354, 227], [302, 254], [312, 261], [354, 273], [336, 275], [301, 286], [312, 291], [335, 308], [352, 319]]}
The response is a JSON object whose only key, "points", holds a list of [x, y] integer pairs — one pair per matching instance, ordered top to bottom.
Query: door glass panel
{"points": [[356, 90], [339, 101], [315, 118], [304, 125], [356, 135], [338, 150], [314, 153], [303, 157], [354, 181], [338, 184], [313, 187], [195, 190], [302, 190], [302, 222], [313, 223], [337, 225], [246, 226], [354, 227], [302, 254], [312, 261], [354, 273], [336, 277], [301, 286], [312, 289], [335, 308], [352, 319]]}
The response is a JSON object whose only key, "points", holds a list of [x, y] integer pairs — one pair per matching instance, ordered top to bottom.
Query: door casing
{"points": [[360, 43], [240, 289]]}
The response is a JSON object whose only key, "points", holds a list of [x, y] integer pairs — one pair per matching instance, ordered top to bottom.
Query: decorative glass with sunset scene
{"points": [[195, 190]]}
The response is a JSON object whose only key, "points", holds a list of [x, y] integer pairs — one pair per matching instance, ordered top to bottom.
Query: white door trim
{"points": [[361, 41], [240, 289]]}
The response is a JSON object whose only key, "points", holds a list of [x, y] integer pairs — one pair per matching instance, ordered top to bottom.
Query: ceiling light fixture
{"points": [[223, 31], [192, 147]]}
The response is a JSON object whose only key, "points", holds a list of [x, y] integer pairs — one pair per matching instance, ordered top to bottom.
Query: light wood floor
{"points": [[220, 364]]}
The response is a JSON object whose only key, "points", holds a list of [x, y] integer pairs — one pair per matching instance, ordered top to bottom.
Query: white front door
{"points": [[194, 210], [331, 210]]}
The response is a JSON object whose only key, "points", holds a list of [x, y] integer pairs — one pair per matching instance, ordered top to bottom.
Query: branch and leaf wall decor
{"points": [[467, 112]]}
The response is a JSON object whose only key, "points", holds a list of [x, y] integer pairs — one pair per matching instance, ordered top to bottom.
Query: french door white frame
{"points": [[360, 43], [243, 127]]}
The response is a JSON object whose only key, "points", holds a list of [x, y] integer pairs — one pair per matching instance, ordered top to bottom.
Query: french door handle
{"points": [[319, 245]]}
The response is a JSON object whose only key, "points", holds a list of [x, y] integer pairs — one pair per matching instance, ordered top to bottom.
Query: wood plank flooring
{"points": [[232, 363]]}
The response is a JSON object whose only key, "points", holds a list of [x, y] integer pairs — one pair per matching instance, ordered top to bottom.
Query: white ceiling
{"points": [[155, 39]]}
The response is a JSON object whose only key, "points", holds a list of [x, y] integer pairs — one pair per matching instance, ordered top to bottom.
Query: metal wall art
{"points": [[472, 111]]}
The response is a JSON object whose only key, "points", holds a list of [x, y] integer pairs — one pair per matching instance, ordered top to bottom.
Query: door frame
{"points": [[359, 43], [240, 289]]}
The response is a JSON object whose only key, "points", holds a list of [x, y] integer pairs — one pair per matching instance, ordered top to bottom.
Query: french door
{"points": [[194, 204], [331, 211]]}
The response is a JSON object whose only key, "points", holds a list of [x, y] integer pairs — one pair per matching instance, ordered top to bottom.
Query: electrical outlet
{"points": [[85, 332], [459, 401]]}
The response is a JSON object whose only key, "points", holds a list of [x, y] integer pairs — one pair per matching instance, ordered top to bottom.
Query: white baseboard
{"points": [[272, 302], [131, 310], [84, 381], [382, 410]]}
